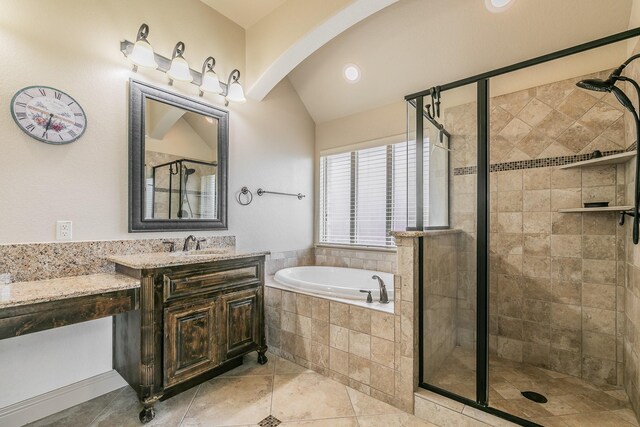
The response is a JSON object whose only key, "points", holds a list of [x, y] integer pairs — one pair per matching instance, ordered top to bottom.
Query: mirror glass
{"points": [[178, 161], [181, 163]]}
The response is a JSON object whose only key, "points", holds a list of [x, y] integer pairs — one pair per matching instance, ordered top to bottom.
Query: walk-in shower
{"points": [[182, 189], [528, 306]]}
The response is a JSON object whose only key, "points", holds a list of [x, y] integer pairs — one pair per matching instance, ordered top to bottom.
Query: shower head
{"points": [[597, 85], [608, 85], [189, 171]]}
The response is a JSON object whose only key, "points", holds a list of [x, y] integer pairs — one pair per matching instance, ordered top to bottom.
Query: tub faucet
{"points": [[190, 238], [384, 298]]}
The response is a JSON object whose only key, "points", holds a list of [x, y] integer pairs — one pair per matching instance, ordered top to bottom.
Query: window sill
{"points": [[356, 247]]}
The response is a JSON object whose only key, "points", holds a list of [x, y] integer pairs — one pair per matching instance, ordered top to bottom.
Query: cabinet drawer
{"points": [[185, 283]]}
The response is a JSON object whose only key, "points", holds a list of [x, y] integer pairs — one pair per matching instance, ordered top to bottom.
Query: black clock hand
{"points": [[48, 123]]}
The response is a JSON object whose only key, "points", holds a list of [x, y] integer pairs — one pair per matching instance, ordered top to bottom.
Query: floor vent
{"points": [[532, 395], [272, 421]]}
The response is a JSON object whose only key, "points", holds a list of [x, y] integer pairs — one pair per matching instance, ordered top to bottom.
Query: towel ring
{"points": [[245, 191]]}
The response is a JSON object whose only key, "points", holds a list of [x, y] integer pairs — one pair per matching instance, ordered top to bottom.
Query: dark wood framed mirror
{"points": [[178, 162]]}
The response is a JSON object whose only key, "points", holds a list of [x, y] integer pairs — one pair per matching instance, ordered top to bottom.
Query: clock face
{"points": [[48, 115]]}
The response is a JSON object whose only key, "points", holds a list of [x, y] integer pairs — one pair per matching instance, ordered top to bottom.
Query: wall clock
{"points": [[48, 115]]}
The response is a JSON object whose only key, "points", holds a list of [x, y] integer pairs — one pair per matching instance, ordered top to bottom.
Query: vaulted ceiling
{"points": [[416, 44], [403, 46]]}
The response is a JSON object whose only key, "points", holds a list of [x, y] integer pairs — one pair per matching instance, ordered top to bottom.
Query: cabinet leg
{"points": [[262, 358], [147, 414]]}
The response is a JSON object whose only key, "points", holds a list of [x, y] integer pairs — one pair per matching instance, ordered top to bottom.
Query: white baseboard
{"points": [[41, 406]]}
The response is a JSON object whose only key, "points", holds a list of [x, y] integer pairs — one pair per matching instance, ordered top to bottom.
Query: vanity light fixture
{"points": [[142, 54], [179, 69], [210, 81], [234, 93]]}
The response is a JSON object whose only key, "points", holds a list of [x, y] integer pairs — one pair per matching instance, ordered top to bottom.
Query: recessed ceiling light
{"points": [[499, 5], [351, 73]]}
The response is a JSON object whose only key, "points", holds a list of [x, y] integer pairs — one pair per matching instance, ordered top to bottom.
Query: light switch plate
{"points": [[64, 230]]}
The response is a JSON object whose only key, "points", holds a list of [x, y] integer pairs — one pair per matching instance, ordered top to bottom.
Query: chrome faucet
{"points": [[190, 238], [384, 298]]}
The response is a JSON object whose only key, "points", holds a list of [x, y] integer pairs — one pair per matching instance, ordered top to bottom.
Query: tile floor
{"points": [[244, 397], [572, 402]]}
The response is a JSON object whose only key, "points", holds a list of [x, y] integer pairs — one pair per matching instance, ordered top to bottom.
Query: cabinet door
{"points": [[241, 315], [190, 341]]}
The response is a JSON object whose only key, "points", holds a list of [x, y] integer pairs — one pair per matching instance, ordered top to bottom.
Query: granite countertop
{"points": [[424, 233], [166, 259], [24, 293]]}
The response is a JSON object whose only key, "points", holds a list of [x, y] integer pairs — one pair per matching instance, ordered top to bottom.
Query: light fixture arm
{"points": [[143, 33], [178, 50], [208, 64], [233, 78]]}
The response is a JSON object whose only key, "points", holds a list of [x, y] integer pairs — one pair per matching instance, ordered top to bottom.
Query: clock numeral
{"points": [[43, 92], [26, 93], [58, 95], [21, 104], [70, 104], [78, 114], [21, 116], [79, 125], [30, 128], [72, 134], [45, 135], [60, 136]]}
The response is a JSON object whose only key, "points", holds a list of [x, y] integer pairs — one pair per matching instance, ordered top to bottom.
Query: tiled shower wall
{"points": [[555, 285], [439, 299], [631, 346]]}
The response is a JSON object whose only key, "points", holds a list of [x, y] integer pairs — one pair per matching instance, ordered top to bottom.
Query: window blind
{"points": [[364, 194]]}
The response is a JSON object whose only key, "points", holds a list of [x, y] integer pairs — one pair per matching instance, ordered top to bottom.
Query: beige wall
{"points": [[73, 45]]}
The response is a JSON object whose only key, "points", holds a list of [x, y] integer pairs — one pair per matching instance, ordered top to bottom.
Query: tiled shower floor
{"points": [[571, 402]]}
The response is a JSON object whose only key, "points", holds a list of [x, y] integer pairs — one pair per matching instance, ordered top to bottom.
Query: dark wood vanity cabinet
{"points": [[195, 321]]}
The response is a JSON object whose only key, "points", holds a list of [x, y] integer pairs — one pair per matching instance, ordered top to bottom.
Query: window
{"points": [[363, 194]]}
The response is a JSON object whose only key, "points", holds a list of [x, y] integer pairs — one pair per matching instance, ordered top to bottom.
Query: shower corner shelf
{"points": [[606, 160], [604, 209]]}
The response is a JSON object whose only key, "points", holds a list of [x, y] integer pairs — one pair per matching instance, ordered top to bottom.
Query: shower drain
{"points": [[536, 397]]}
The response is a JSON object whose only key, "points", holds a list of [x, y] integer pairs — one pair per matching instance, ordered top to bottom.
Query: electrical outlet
{"points": [[64, 230]]}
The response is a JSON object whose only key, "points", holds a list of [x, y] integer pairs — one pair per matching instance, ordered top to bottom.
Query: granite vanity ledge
{"points": [[425, 233], [168, 259], [39, 291]]}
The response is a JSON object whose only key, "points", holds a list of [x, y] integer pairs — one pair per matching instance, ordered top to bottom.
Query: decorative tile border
{"points": [[535, 163]]}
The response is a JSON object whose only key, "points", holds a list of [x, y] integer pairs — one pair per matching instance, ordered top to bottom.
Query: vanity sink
{"points": [[203, 252]]}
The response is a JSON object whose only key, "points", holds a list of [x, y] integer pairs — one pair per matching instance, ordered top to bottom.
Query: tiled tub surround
{"points": [[368, 259], [279, 260], [36, 261], [556, 282], [351, 344], [369, 350]]}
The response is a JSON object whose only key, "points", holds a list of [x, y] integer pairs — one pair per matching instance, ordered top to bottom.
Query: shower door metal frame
{"points": [[482, 271]]}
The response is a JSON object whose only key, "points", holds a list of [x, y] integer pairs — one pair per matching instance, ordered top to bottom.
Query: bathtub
{"points": [[334, 282]]}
